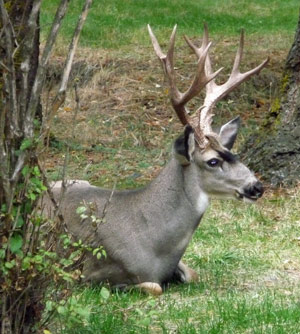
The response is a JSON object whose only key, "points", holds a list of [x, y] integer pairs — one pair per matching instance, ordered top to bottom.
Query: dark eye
{"points": [[213, 162]]}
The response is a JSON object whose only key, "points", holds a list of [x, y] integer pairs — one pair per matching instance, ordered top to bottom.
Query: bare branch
{"points": [[73, 45], [27, 47], [4, 67], [41, 72], [11, 74], [38, 82], [61, 95], [55, 204]]}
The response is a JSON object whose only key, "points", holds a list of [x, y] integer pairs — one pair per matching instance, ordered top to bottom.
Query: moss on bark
{"points": [[274, 151]]}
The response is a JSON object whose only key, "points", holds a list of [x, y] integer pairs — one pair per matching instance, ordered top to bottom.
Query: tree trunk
{"points": [[274, 151]]}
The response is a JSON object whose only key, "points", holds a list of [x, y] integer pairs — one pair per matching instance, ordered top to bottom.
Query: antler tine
{"points": [[205, 42], [155, 44], [199, 51], [170, 54], [239, 54], [167, 62], [205, 77], [201, 78], [214, 92], [217, 92], [203, 123]]}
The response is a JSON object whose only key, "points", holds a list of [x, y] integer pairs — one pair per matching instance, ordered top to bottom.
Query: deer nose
{"points": [[256, 190]]}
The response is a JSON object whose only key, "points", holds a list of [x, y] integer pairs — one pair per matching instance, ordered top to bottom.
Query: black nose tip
{"points": [[259, 188], [255, 190]]}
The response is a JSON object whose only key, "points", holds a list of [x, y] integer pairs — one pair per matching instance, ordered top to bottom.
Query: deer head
{"points": [[220, 172]]}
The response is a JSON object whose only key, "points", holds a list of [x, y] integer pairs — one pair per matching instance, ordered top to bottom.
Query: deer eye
{"points": [[214, 162]]}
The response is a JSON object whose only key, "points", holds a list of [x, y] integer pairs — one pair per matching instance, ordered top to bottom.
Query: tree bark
{"points": [[274, 151]]}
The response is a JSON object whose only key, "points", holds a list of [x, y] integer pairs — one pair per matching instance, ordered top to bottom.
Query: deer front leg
{"points": [[185, 274]]}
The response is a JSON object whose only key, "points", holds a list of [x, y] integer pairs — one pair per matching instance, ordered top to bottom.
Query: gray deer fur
{"points": [[146, 231]]}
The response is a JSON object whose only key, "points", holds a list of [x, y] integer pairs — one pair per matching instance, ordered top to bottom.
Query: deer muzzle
{"points": [[252, 192]]}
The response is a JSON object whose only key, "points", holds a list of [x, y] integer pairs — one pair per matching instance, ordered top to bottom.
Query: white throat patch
{"points": [[202, 202]]}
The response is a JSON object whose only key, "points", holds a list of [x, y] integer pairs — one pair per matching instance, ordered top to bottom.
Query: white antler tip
{"points": [[174, 32]]}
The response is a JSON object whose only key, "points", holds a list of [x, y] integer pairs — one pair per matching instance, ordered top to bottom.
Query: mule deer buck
{"points": [[146, 231]]}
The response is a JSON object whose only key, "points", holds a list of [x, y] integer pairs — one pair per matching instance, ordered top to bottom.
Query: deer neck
{"points": [[180, 185]]}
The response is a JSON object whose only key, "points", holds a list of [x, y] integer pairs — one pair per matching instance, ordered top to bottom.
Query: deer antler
{"points": [[204, 77]]}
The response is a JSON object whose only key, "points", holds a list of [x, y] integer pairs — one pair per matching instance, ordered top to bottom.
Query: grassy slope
{"points": [[113, 22], [247, 256]]}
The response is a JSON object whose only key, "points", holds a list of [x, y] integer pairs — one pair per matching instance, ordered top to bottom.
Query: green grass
{"points": [[114, 23], [248, 258]]}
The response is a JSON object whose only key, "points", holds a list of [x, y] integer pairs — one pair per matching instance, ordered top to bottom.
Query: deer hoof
{"points": [[188, 275], [150, 288]]}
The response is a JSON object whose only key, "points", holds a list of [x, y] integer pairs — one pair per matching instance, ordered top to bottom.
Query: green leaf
{"points": [[26, 143], [25, 171], [36, 171], [43, 188], [32, 196], [81, 209], [20, 222], [16, 243], [95, 251], [2, 253], [26, 263], [10, 264], [104, 293], [49, 305], [61, 309]]}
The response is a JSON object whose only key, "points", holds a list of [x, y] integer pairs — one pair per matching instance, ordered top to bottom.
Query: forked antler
{"points": [[204, 77]]}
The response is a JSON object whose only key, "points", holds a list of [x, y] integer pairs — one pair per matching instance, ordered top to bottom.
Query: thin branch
{"points": [[74, 44], [27, 49], [5, 67], [41, 71], [38, 84], [12, 85], [61, 95], [57, 212], [104, 212]]}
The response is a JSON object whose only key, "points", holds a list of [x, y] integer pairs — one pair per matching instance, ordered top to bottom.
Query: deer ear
{"points": [[228, 132], [184, 146]]}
